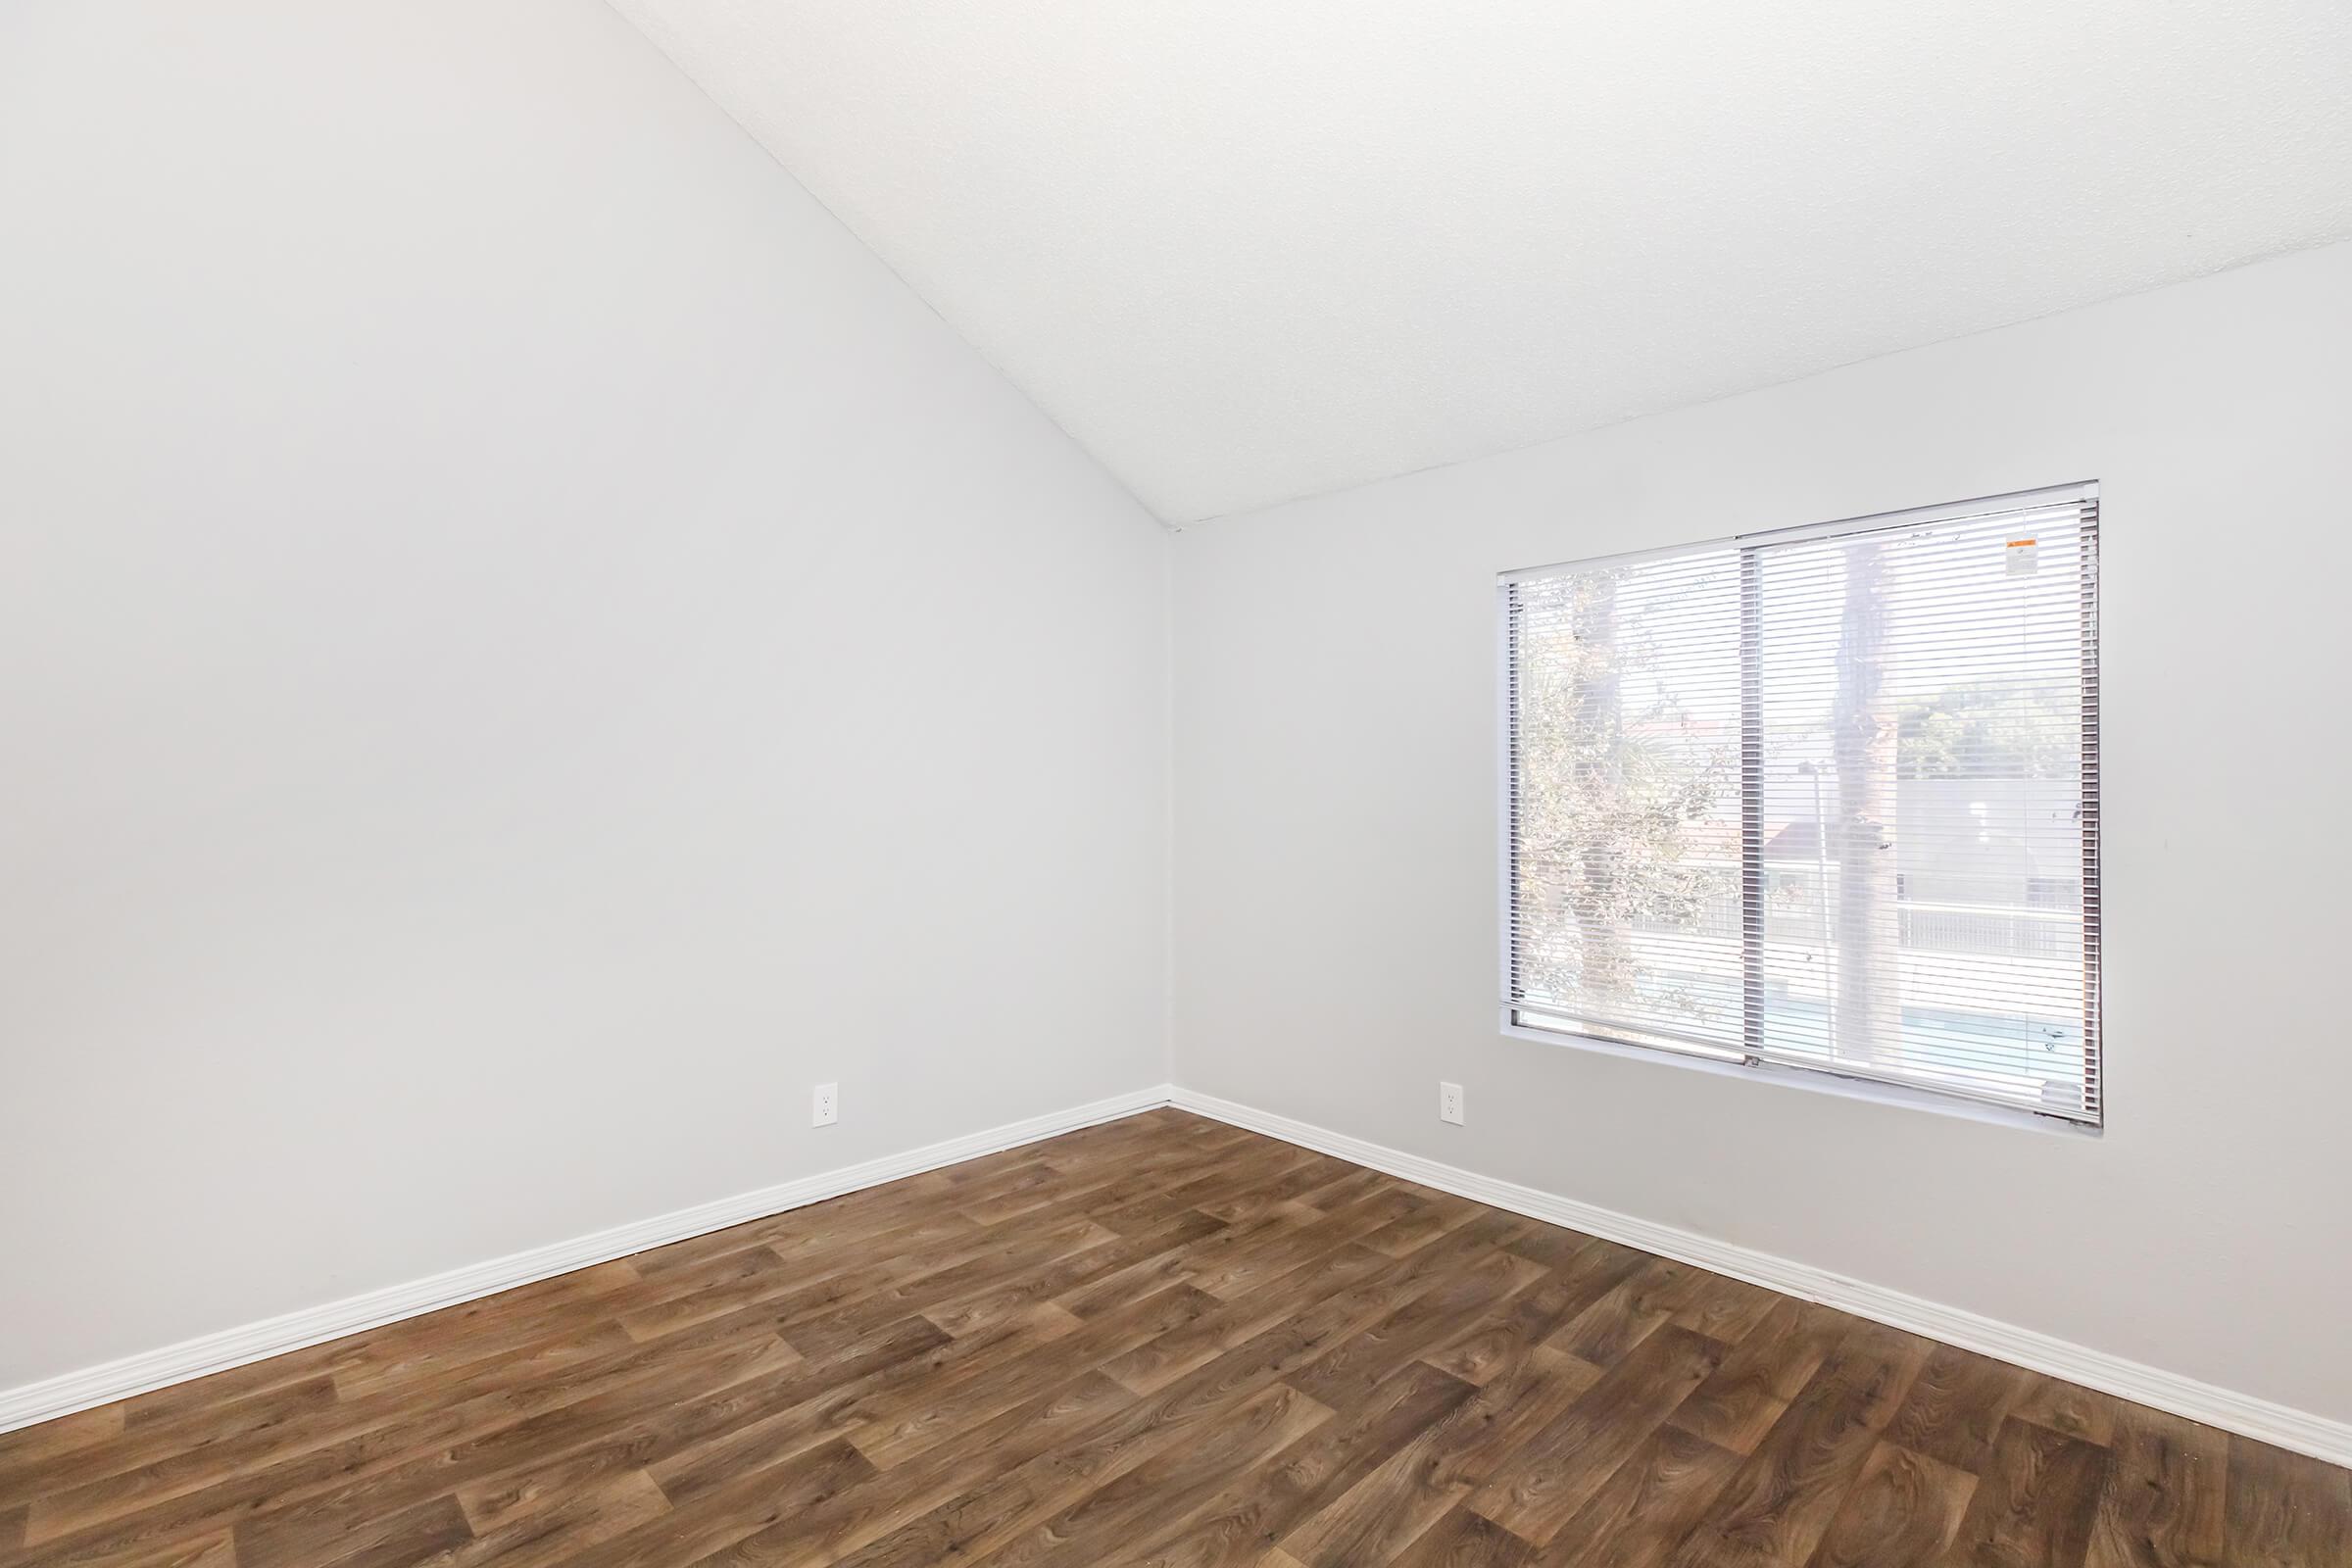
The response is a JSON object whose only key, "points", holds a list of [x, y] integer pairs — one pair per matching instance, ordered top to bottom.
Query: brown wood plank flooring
{"points": [[1163, 1342]]}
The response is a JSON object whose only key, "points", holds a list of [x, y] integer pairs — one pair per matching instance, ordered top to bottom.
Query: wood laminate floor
{"points": [[1159, 1340]]}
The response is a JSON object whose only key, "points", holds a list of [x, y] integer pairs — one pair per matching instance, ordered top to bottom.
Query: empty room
{"points": [[1280, 785]]}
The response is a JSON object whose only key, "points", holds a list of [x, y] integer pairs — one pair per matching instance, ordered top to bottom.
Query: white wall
{"points": [[522, 647], [1336, 800]]}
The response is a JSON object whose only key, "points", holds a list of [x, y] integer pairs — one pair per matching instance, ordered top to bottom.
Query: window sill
{"points": [[1818, 1083]]}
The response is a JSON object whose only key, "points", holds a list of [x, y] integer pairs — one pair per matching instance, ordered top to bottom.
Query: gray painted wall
{"points": [[522, 649], [1336, 809]]}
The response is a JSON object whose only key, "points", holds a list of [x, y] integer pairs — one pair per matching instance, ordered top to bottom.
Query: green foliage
{"points": [[1989, 730], [1612, 776]]}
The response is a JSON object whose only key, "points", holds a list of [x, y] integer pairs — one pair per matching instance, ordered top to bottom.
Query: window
{"points": [[1823, 800]]}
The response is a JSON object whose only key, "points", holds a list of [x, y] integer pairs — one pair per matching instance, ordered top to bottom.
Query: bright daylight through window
{"points": [[1823, 800]]}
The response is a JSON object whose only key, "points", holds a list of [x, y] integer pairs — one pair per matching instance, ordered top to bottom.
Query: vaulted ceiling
{"points": [[1245, 249]]}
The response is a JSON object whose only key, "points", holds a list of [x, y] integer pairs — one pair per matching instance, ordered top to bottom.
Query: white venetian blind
{"points": [[1825, 799]]}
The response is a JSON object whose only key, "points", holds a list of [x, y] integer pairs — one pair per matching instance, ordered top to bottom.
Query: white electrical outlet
{"points": [[1449, 1102], [827, 1108]]}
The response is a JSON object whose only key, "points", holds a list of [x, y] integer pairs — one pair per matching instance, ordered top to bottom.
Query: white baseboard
{"points": [[254, 1341], [2276, 1424]]}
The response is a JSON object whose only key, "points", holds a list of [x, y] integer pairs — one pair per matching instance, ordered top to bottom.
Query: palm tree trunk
{"points": [[1868, 1019]]}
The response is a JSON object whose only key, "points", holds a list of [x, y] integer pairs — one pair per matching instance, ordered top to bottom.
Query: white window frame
{"points": [[1815, 1080]]}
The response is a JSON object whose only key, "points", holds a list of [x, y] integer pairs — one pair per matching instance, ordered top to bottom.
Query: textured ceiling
{"points": [[1251, 249]]}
